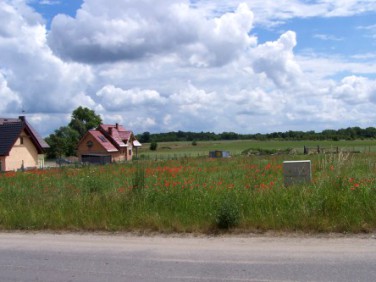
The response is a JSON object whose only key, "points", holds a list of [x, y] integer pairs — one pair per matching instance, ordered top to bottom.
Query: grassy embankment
{"points": [[195, 195]]}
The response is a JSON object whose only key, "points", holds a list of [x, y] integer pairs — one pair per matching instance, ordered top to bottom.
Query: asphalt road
{"points": [[124, 257]]}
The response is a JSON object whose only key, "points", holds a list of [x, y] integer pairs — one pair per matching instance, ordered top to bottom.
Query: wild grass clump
{"points": [[195, 195], [227, 214]]}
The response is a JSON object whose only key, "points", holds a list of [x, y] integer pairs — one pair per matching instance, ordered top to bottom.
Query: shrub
{"points": [[153, 146], [227, 215]]}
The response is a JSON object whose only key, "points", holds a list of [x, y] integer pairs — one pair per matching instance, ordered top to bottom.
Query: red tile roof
{"points": [[106, 127], [115, 133], [112, 137], [101, 139]]}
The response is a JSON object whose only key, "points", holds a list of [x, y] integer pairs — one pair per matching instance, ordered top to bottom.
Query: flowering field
{"points": [[201, 195]]}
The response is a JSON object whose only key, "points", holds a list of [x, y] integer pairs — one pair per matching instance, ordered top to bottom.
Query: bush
{"points": [[153, 146], [228, 214]]}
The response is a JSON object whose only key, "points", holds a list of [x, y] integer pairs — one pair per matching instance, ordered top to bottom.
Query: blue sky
{"points": [[50, 8], [226, 65]]}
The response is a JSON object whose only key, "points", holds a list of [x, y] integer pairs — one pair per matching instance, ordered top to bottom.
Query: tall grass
{"points": [[194, 195]]}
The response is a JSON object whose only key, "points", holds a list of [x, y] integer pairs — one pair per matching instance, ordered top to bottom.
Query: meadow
{"points": [[170, 150], [196, 194]]}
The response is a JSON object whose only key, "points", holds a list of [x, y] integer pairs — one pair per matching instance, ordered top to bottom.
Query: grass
{"points": [[171, 150], [200, 195]]}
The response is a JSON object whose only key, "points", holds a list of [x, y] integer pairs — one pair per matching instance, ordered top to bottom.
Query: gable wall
{"points": [[83, 149], [25, 154]]}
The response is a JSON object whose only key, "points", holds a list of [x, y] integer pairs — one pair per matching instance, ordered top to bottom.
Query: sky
{"points": [[251, 66]]}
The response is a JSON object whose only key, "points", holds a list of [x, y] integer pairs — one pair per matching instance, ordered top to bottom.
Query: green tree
{"points": [[84, 119], [145, 137], [63, 142]]}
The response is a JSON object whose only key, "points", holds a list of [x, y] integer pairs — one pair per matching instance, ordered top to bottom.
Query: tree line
{"points": [[350, 133], [64, 141]]}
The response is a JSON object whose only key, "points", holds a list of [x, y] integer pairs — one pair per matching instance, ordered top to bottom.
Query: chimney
{"points": [[22, 118], [117, 126], [110, 130]]}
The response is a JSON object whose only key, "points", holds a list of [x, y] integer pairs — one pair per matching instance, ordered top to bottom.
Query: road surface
{"points": [[125, 257]]}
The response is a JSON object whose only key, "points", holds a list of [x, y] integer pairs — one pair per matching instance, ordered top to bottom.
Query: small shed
{"points": [[219, 154]]}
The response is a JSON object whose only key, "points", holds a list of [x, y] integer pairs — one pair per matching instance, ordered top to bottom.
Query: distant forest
{"points": [[350, 133]]}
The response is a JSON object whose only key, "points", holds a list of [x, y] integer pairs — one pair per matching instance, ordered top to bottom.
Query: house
{"points": [[106, 144], [21, 147]]}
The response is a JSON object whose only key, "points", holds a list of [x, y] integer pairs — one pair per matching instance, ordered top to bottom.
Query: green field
{"points": [[236, 147], [198, 194]]}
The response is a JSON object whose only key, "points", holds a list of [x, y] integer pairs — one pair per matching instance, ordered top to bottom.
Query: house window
{"points": [[102, 138], [21, 140], [89, 144], [130, 152], [1, 166]]}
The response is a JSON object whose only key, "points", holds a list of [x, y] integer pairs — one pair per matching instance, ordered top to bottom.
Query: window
{"points": [[102, 138], [21, 140], [89, 144], [130, 152]]}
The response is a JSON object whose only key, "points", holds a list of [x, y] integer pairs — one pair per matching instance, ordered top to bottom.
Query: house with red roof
{"points": [[108, 143], [21, 147]]}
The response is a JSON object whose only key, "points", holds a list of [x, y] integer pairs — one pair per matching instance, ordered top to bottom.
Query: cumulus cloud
{"points": [[102, 34], [276, 60], [180, 65], [42, 82], [356, 90], [117, 99], [10, 101], [194, 101]]}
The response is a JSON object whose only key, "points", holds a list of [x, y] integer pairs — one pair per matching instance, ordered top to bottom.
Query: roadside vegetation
{"points": [[244, 193]]}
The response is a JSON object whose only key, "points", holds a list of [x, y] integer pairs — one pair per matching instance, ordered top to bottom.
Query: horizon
{"points": [[205, 66]]}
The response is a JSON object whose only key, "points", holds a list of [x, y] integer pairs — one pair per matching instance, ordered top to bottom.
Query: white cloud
{"points": [[272, 13], [133, 31], [328, 37], [276, 60], [181, 67], [45, 82], [356, 90], [9, 99], [117, 99], [193, 101]]}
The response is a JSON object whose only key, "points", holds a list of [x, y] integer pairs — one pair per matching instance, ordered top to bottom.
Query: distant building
{"points": [[106, 144], [21, 147]]}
